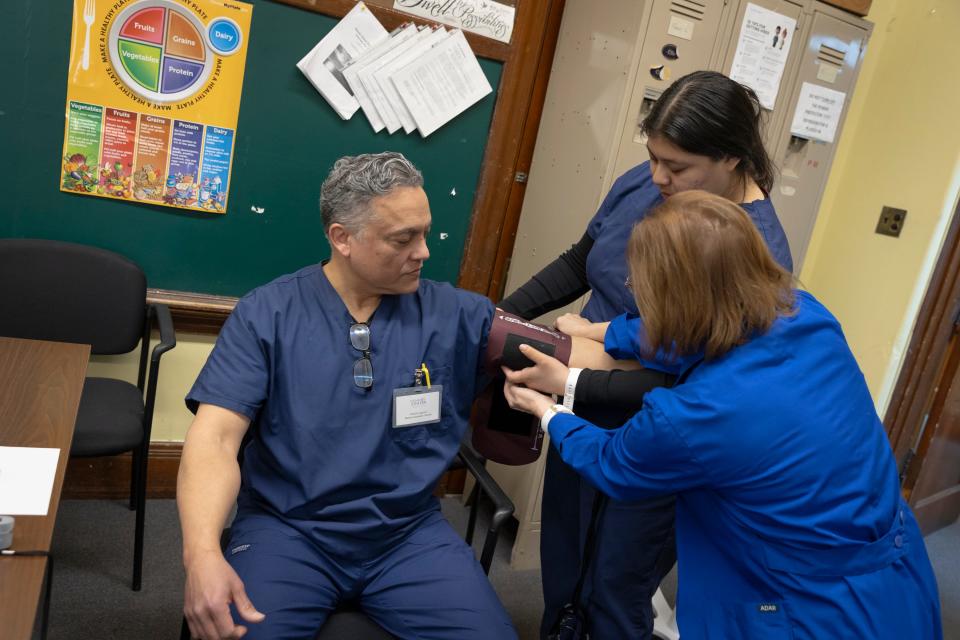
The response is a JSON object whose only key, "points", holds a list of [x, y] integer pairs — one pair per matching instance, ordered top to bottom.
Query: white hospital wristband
{"points": [[570, 388], [549, 413]]}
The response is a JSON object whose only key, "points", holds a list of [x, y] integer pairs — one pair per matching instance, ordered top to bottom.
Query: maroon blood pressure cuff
{"points": [[500, 433]]}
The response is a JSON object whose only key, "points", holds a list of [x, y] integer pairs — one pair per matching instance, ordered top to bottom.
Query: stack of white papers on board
{"points": [[323, 65], [414, 78], [442, 83]]}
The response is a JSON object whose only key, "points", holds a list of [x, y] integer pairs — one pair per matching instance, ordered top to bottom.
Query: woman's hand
{"points": [[574, 325], [547, 374], [526, 400]]}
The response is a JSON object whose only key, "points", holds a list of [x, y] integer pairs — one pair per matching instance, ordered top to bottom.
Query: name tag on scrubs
{"points": [[414, 406]]}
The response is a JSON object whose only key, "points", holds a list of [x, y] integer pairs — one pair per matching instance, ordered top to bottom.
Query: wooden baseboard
{"points": [[109, 478], [938, 511]]}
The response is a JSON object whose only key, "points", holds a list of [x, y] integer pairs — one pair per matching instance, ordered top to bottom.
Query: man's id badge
{"points": [[414, 406]]}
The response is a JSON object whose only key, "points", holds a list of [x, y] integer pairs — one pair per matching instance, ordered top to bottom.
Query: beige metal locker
{"points": [[792, 9], [681, 36], [834, 44], [591, 74]]}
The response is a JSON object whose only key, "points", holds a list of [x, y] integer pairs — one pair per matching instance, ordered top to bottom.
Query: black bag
{"points": [[570, 625]]}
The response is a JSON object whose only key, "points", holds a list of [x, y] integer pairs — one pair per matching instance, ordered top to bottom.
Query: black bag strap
{"points": [[599, 505], [589, 547]]}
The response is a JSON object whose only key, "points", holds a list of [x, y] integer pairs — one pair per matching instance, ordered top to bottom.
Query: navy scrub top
{"points": [[632, 196], [323, 455], [790, 522]]}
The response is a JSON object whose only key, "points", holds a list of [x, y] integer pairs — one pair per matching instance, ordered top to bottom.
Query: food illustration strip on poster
{"points": [[152, 100]]}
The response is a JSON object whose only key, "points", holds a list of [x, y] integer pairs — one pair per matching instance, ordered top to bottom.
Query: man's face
{"points": [[388, 254]]}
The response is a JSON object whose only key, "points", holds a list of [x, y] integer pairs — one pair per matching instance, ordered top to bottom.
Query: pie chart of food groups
{"points": [[165, 54]]}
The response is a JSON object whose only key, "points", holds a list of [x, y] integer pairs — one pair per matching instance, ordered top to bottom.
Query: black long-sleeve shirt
{"points": [[559, 283]]}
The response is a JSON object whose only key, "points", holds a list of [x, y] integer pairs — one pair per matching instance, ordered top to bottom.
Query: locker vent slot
{"points": [[693, 9], [830, 55]]}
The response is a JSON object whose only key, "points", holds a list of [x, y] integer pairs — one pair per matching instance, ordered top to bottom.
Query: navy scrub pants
{"points": [[635, 548], [429, 585]]}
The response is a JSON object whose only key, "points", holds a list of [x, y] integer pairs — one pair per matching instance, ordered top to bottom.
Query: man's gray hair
{"points": [[356, 180]]}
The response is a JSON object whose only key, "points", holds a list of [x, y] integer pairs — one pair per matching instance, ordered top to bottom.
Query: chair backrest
{"points": [[67, 292]]}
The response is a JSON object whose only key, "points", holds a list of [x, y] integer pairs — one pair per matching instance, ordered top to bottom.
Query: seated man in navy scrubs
{"points": [[349, 384]]}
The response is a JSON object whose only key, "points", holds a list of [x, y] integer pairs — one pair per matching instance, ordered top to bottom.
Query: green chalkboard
{"points": [[287, 139]]}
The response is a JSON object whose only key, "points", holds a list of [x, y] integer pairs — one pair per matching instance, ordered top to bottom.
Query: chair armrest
{"points": [[168, 337], [168, 340], [503, 506]]}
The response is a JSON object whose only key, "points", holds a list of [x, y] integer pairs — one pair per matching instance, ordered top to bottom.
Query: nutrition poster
{"points": [[153, 95]]}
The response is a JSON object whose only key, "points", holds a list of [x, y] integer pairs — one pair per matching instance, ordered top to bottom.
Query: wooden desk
{"points": [[40, 386]]}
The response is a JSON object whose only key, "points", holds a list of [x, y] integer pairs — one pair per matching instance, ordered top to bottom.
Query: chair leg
{"points": [[134, 472], [141, 496], [474, 501], [489, 546]]}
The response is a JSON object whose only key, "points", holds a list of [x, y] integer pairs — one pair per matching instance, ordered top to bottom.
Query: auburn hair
{"points": [[703, 277]]}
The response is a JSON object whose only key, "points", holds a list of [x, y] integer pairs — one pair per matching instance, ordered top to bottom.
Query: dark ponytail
{"points": [[708, 114]]}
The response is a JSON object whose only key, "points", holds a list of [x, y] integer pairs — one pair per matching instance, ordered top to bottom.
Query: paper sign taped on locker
{"points": [[681, 27], [827, 72], [818, 113]]}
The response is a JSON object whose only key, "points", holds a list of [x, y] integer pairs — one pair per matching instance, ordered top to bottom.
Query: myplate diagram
{"points": [[164, 53]]}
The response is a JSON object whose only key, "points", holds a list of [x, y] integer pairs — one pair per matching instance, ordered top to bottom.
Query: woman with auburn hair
{"points": [[790, 522]]}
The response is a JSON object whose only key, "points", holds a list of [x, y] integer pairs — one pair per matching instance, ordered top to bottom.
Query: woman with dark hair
{"points": [[703, 133], [790, 522]]}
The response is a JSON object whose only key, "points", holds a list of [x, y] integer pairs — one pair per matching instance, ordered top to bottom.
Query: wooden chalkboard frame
{"points": [[527, 60]]}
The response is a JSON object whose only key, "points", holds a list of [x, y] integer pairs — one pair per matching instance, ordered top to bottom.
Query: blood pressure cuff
{"points": [[500, 433]]}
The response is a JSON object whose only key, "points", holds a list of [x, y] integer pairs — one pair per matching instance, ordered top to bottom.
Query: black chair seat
{"points": [[109, 420], [350, 622]]}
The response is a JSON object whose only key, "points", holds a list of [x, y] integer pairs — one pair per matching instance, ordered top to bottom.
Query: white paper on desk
{"points": [[323, 66], [351, 73], [366, 76], [384, 76], [442, 84], [26, 480]]}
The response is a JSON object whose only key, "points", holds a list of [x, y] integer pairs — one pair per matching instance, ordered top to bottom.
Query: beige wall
{"points": [[900, 147], [178, 369]]}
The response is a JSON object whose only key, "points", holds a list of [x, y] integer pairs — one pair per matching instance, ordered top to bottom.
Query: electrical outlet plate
{"points": [[891, 221]]}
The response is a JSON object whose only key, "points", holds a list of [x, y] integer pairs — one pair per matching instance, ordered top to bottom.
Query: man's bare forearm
{"points": [[209, 478]]}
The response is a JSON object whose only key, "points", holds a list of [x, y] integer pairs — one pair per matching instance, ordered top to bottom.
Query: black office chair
{"points": [[68, 292], [348, 622]]}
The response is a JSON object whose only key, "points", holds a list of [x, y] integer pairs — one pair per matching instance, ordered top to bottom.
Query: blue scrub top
{"points": [[631, 198], [323, 454], [790, 522]]}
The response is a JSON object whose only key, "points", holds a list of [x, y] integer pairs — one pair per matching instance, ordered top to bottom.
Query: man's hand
{"points": [[574, 325], [547, 374], [211, 586]]}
